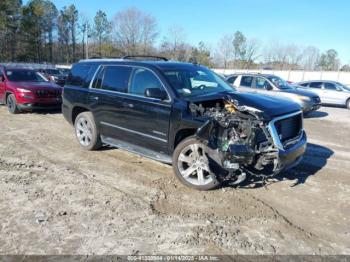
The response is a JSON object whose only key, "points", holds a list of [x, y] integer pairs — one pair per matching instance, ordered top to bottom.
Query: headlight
{"points": [[22, 90], [304, 98]]}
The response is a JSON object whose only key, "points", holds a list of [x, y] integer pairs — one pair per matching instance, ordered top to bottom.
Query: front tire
{"points": [[12, 104], [348, 104], [86, 131], [191, 165]]}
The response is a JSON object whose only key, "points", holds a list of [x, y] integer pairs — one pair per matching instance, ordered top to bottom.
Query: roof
{"points": [[162, 65], [29, 66], [252, 74]]}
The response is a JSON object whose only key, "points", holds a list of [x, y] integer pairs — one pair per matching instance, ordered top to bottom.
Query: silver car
{"points": [[275, 86], [330, 92]]}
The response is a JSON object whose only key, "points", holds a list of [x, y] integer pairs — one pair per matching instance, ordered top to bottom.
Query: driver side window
{"points": [[142, 80], [262, 83], [330, 86]]}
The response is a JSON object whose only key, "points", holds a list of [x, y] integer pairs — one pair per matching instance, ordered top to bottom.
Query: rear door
{"points": [[246, 83], [317, 87], [106, 100], [148, 118]]}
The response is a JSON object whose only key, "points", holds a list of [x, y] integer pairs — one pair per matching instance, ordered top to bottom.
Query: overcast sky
{"points": [[322, 23]]}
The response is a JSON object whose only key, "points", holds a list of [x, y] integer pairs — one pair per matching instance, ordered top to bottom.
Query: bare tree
{"points": [[134, 31], [174, 44], [251, 48], [225, 50], [311, 56]]}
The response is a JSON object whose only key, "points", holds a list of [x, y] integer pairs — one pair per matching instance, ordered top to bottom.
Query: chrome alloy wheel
{"points": [[84, 131], [193, 165]]}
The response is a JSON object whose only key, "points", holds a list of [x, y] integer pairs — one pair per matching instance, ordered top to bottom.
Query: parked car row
{"points": [[276, 86], [23, 89], [330, 92], [309, 94], [178, 113]]}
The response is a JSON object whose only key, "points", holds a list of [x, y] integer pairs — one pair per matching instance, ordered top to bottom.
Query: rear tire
{"points": [[12, 104], [348, 104], [86, 132], [191, 165]]}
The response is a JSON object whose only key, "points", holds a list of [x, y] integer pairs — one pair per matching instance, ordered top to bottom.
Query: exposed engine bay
{"points": [[237, 139]]}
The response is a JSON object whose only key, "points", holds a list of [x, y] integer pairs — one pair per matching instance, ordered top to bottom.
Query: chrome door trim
{"points": [[134, 132]]}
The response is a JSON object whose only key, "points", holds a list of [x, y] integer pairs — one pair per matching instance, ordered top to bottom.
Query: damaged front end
{"points": [[237, 139]]}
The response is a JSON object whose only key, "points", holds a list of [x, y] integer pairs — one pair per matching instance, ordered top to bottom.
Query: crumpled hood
{"points": [[35, 85], [269, 106]]}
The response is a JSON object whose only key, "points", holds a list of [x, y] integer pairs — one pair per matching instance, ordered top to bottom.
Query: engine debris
{"points": [[237, 139]]}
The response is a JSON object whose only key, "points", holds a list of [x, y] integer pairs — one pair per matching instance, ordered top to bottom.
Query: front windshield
{"points": [[53, 71], [24, 76], [196, 81], [279, 82], [344, 87]]}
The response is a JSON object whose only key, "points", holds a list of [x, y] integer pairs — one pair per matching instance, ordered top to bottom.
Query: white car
{"points": [[330, 92]]}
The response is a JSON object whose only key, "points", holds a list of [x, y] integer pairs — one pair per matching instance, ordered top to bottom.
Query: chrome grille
{"points": [[48, 93], [289, 128], [286, 130]]}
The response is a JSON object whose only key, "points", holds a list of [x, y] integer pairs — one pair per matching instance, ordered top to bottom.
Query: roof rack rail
{"points": [[131, 57]]}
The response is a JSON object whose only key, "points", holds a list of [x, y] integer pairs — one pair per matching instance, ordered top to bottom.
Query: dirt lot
{"points": [[58, 199]]}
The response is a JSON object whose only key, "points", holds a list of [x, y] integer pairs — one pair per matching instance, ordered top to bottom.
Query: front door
{"points": [[335, 96], [148, 118]]}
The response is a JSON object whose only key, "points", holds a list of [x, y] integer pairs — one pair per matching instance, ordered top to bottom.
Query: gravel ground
{"points": [[58, 199]]}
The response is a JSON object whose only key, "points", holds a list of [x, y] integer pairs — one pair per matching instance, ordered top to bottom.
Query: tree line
{"points": [[39, 32]]}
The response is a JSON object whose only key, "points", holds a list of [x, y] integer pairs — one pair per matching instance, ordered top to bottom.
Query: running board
{"points": [[161, 157]]}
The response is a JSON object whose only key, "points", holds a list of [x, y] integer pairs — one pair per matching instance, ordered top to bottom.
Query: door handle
{"points": [[94, 98], [130, 105]]}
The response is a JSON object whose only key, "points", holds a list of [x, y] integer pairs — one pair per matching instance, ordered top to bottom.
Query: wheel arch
{"points": [[7, 95], [347, 102], [76, 111], [182, 134]]}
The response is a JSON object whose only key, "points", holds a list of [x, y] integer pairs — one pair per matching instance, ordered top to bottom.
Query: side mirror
{"points": [[156, 93]]}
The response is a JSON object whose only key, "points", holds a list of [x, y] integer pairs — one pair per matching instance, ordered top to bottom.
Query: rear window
{"points": [[81, 75], [116, 78], [246, 81], [316, 85]]}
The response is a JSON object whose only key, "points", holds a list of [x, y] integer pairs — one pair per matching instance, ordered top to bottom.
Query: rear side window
{"points": [[79, 74], [116, 78], [232, 79], [142, 80], [246, 81], [316, 85]]}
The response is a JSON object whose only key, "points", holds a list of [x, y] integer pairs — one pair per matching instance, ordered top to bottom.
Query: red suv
{"points": [[26, 90]]}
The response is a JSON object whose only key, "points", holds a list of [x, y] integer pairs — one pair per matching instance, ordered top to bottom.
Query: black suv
{"points": [[184, 114]]}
